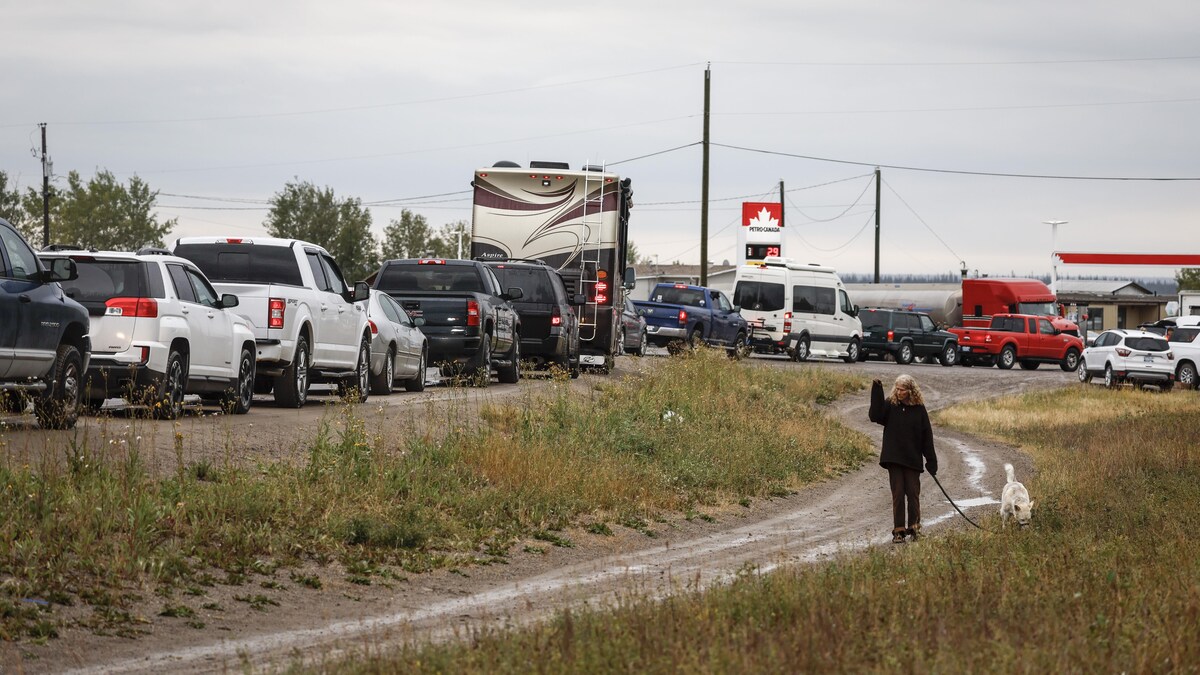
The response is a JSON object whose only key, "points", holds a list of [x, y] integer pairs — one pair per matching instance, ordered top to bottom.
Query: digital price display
{"points": [[761, 251]]}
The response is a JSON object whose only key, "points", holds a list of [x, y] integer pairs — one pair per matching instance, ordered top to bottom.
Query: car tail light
{"points": [[601, 292], [132, 307], [275, 309], [472, 313], [556, 317], [682, 317], [787, 323], [374, 327], [891, 335], [1121, 351], [145, 355]]}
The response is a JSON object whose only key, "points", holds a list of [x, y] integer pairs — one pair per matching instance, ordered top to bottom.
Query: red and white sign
{"points": [[762, 215], [1166, 259]]}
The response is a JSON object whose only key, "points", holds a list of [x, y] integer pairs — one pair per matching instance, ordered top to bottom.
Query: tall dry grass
{"points": [[1107, 579]]}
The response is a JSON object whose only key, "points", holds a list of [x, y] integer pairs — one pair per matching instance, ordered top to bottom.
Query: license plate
{"points": [[965, 349], [1149, 359]]}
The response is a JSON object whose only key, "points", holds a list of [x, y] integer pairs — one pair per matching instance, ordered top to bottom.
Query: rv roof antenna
{"points": [[963, 271]]}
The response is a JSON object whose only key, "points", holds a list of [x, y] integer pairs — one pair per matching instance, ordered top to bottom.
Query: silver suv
{"points": [[159, 331]]}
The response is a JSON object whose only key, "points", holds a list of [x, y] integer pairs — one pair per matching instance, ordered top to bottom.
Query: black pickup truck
{"points": [[469, 319], [44, 344]]}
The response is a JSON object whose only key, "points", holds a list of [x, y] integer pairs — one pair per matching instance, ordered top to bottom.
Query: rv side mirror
{"points": [[629, 280], [513, 293], [579, 299], [228, 300]]}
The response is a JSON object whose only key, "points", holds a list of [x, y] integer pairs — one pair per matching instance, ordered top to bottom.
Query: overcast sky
{"points": [[218, 104]]}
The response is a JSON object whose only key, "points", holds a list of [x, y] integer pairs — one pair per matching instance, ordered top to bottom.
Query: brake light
{"points": [[233, 241], [431, 261], [680, 285], [601, 292], [131, 307], [275, 310], [472, 313], [556, 317], [682, 317], [787, 323], [374, 327], [891, 335], [1121, 351], [145, 355]]}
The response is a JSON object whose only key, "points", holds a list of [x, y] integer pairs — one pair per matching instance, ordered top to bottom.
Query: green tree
{"points": [[11, 208], [101, 213], [342, 226], [408, 237], [445, 244], [632, 256], [1188, 278]]}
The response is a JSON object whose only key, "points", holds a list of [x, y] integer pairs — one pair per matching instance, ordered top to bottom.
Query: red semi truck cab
{"points": [[987, 297]]}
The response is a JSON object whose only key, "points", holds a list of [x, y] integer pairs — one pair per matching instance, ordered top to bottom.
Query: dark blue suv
{"points": [[44, 345]]}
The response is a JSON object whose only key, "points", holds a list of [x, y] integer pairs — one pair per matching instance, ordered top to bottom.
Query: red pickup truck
{"points": [[1018, 338]]}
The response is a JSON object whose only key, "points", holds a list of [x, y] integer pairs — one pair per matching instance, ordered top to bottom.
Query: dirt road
{"points": [[845, 515]]}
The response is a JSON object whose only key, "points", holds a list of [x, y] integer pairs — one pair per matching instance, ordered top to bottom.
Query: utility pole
{"points": [[877, 181], [704, 183], [45, 190], [781, 209]]}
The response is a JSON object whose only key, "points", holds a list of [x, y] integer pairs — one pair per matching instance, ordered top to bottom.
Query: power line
{"points": [[907, 64], [960, 109], [655, 154], [955, 171], [844, 212], [922, 220]]}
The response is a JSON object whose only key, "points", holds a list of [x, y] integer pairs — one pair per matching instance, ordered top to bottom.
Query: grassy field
{"points": [[99, 529], [1107, 579]]}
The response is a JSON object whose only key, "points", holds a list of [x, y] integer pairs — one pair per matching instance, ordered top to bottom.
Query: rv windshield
{"points": [[758, 296], [1037, 308]]}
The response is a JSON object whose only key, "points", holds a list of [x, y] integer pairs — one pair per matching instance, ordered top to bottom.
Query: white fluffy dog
{"points": [[1014, 501]]}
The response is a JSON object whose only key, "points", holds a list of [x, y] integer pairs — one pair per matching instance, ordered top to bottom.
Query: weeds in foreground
{"points": [[390, 502], [1106, 580]]}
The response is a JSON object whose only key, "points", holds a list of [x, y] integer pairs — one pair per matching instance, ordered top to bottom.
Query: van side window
{"points": [[813, 299], [847, 307]]}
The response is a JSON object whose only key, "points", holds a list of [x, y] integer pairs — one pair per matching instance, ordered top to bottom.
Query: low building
{"points": [[720, 277], [1106, 304]]}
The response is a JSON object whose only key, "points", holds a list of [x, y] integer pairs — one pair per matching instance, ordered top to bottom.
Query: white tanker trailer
{"points": [[942, 302]]}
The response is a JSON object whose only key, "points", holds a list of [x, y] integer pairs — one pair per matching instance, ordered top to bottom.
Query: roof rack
{"points": [[65, 247], [153, 250], [537, 261]]}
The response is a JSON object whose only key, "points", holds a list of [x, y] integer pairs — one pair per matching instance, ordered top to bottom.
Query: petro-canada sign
{"points": [[761, 233]]}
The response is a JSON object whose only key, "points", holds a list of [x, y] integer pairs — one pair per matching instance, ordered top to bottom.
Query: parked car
{"points": [[682, 314], [469, 319], [549, 322], [309, 326], [633, 330], [159, 332], [905, 336], [1027, 339], [44, 343], [1185, 343], [399, 350], [1135, 356]]}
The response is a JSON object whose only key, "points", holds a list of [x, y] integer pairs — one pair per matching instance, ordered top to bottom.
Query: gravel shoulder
{"points": [[836, 517]]}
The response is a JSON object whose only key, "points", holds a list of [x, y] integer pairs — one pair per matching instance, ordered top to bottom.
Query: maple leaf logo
{"points": [[763, 219]]}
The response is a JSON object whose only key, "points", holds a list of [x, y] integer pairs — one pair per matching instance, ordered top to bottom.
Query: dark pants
{"points": [[906, 487]]}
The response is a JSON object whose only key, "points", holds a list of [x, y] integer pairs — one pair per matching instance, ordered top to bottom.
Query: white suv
{"points": [[159, 331], [1185, 342], [1129, 356]]}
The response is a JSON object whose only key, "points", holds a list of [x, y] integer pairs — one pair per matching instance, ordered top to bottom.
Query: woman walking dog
{"points": [[907, 438]]}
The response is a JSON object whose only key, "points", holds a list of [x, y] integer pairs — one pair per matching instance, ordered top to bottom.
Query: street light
{"points": [[1054, 249]]}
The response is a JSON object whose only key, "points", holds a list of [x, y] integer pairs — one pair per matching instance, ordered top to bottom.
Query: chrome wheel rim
{"points": [[364, 369], [246, 381]]}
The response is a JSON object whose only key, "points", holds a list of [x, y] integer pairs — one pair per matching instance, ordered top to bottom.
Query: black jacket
{"points": [[907, 434]]}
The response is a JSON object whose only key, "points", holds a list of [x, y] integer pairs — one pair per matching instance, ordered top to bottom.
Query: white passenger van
{"points": [[801, 310]]}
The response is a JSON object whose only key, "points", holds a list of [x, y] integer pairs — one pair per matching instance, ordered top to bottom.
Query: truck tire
{"points": [[696, 338], [801, 352], [852, 352], [949, 354], [904, 355], [1008, 358], [1070, 360], [1026, 364], [511, 374], [1186, 375], [482, 376], [417, 382], [381, 384], [357, 387], [291, 388], [239, 399], [167, 402], [58, 407]]}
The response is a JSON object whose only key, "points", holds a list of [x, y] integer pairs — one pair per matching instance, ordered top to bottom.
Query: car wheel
{"points": [[695, 339], [642, 341], [621, 342], [738, 350], [852, 352], [801, 353], [905, 355], [949, 355], [1008, 358], [1070, 361], [1029, 365], [483, 366], [1082, 371], [511, 374], [1186, 375], [1110, 378], [417, 382], [381, 384], [357, 387], [291, 388], [168, 400], [238, 400], [58, 408]]}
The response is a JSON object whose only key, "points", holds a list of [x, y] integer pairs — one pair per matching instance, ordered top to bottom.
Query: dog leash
{"points": [[960, 511]]}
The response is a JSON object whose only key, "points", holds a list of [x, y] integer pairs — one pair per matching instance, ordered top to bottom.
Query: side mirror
{"points": [[61, 269], [629, 279], [360, 292], [513, 293], [579, 299], [228, 300], [736, 308], [853, 310], [419, 321]]}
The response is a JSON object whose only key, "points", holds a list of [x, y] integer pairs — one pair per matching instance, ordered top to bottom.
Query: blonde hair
{"points": [[906, 391]]}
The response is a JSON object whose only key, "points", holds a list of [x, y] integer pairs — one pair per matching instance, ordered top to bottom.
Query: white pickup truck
{"points": [[308, 325]]}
